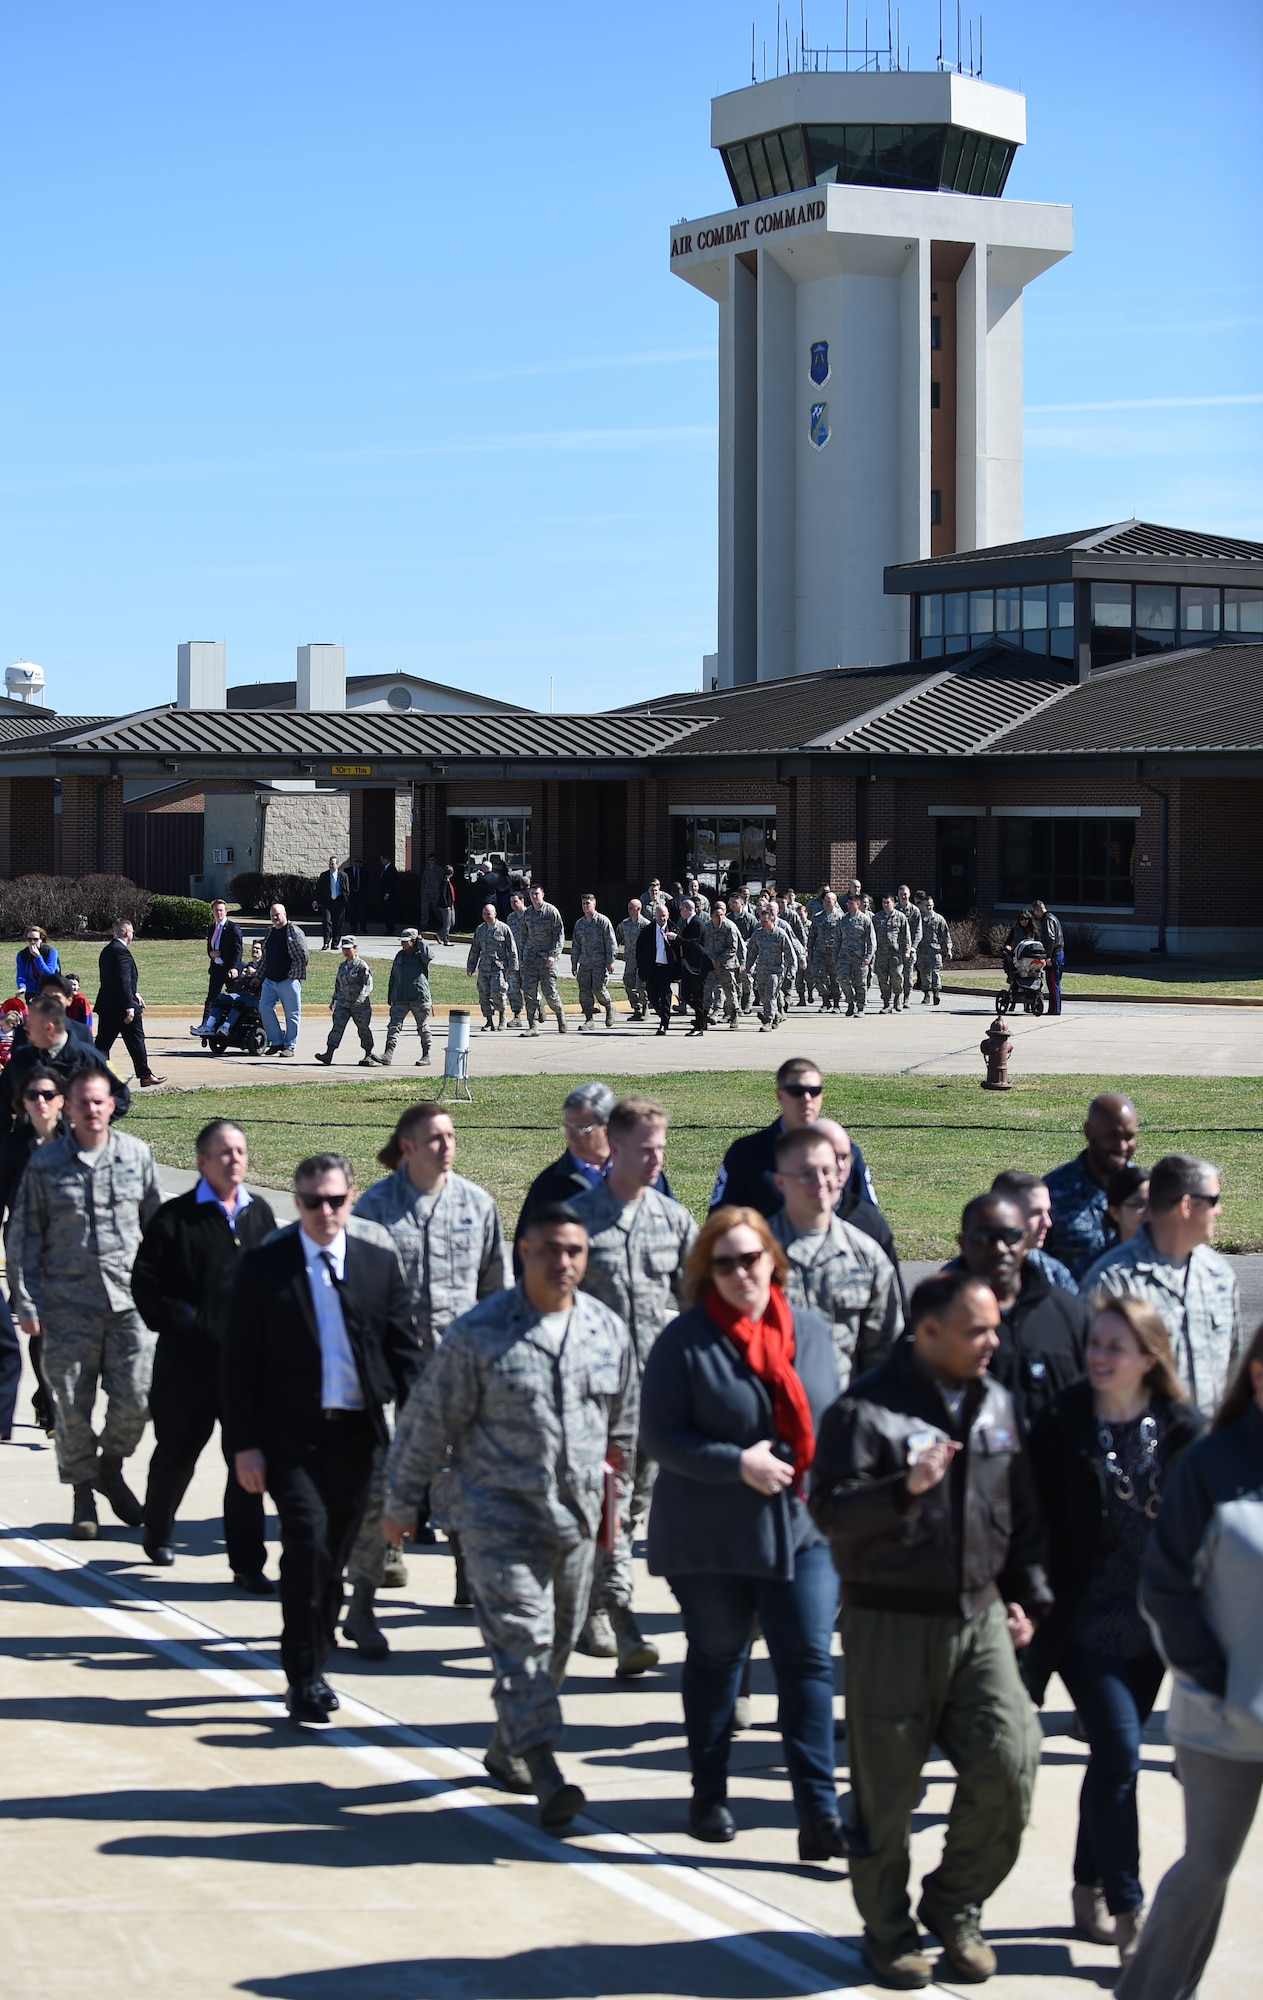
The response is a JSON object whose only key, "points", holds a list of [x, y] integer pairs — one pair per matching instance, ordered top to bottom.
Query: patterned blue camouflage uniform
{"points": [[516, 920], [544, 934], [828, 944], [593, 948], [859, 948], [493, 955], [894, 956], [771, 961], [633, 985], [352, 1005], [1081, 1230], [1199, 1300], [524, 1411]]}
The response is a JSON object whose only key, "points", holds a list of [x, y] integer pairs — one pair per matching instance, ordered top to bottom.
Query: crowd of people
{"points": [[1048, 1460]]}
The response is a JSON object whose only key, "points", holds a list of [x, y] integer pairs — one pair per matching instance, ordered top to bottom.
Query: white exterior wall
{"points": [[201, 674], [321, 677]]}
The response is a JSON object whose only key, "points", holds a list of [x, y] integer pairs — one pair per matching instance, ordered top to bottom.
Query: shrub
{"points": [[257, 892], [102, 898], [66, 908], [178, 917], [964, 936], [993, 938], [1083, 940]]}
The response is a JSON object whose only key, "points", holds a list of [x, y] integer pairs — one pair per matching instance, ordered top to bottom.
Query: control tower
{"points": [[869, 283]]}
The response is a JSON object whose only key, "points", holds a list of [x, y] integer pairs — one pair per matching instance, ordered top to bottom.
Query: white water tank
{"points": [[24, 681]]}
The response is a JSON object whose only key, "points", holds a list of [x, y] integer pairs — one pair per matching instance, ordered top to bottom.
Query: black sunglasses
{"points": [[803, 1089], [41, 1096], [333, 1201], [1010, 1236], [724, 1267]]}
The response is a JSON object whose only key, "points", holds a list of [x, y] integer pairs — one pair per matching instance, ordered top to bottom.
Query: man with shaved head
{"points": [[1081, 1229]]}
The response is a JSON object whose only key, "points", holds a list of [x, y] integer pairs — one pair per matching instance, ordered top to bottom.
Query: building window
{"points": [[936, 330], [935, 395], [936, 508], [1243, 612], [1199, 615], [1155, 617], [956, 621], [1111, 623], [479, 838], [729, 851], [1070, 863]]}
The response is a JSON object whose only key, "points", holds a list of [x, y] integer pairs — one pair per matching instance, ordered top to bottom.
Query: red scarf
{"points": [[767, 1347]]}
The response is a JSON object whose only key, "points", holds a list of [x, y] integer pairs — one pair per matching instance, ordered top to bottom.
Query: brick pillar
{"points": [[27, 826], [91, 826]]}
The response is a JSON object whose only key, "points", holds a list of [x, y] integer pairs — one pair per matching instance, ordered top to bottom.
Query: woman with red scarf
{"points": [[731, 1397]]}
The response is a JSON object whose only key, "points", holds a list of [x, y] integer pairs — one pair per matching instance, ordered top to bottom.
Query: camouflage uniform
{"points": [[794, 915], [912, 916], [516, 921], [745, 926], [544, 935], [936, 943], [859, 945], [723, 946], [593, 948], [827, 948], [493, 954], [894, 956], [771, 960], [352, 985], [633, 985], [409, 993], [72, 1241], [452, 1253], [636, 1254], [850, 1281], [1199, 1300], [526, 1419]]}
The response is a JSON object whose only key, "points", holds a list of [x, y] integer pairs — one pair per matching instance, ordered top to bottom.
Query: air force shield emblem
{"points": [[820, 370], [819, 432]]}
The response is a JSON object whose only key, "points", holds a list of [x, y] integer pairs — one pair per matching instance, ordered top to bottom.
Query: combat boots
{"points": [[110, 1482], [84, 1522], [360, 1625], [597, 1637], [636, 1654], [513, 1773], [558, 1801]]}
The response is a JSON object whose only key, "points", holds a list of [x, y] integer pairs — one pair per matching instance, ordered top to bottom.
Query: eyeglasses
{"points": [[803, 1089], [40, 1096], [583, 1131], [1211, 1200], [333, 1201], [1010, 1236], [723, 1267]]}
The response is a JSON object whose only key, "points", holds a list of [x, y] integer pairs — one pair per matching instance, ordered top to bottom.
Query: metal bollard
{"points": [[995, 1047]]}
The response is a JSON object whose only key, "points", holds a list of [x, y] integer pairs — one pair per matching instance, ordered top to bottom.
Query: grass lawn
{"points": [[1171, 981], [930, 1142]]}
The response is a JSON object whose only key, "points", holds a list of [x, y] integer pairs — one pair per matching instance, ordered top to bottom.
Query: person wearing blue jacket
{"points": [[36, 961]]}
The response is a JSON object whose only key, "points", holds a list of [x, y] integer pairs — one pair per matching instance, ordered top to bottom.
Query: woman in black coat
{"points": [[41, 1101], [732, 1394], [1101, 1453]]}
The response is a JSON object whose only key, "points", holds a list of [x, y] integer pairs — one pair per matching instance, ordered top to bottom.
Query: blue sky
{"points": [[355, 323]]}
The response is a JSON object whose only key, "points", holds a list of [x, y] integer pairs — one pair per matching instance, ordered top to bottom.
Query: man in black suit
{"points": [[387, 883], [332, 890], [223, 952], [658, 963], [694, 964], [119, 1006], [53, 1041], [182, 1283], [319, 1337]]}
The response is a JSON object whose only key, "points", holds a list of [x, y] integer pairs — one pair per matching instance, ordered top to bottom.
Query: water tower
{"points": [[869, 283], [24, 681]]}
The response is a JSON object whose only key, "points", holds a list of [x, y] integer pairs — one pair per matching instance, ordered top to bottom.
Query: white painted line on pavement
{"points": [[793, 1973]]}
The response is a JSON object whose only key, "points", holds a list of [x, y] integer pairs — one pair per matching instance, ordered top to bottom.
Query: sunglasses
{"points": [[803, 1089], [41, 1096], [1211, 1200], [333, 1201], [1010, 1236], [723, 1267]]}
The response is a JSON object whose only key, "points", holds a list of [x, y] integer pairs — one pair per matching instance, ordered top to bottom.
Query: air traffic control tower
{"points": [[869, 284]]}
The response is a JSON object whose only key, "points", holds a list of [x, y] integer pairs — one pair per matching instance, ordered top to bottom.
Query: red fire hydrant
{"points": [[995, 1047]]}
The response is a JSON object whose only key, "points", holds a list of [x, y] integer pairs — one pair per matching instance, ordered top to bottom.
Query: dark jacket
{"points": [[325, 900], [230, 945], [647, 955], [693, 959], [119, 979], [77, 1052], [15, 1151], [746, 1174], [852, 1206], [187, 1263], [1042, 1341], [272, 1372], [700, 1407], [1070, 1482], [951, 1551]]}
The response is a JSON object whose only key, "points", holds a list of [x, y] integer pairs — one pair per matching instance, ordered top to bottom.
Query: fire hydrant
{"points": [[995, 1047]]}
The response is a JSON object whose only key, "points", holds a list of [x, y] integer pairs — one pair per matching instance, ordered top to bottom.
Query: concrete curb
{"points": [[1127, 999]]}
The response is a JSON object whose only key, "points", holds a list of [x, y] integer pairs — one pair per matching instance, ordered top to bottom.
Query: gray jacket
{"points": [[912, 917], [629, 930], [543, 932], [935, 936], [828, 939], [859, 939], [894, 940], [592, 942], [722, 943], [493, 945], [772, 951], [352, 982], [76, 1229], [450, 1246], [636, 1253], [850, 1281], [1199, 1300], [523, 1428]]}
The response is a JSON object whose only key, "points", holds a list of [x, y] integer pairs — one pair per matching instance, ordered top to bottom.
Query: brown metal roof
{"points": [[1211, 699]]}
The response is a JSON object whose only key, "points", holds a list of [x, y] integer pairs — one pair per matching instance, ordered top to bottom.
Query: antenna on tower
{"points": [[940, 33], [778, 37], [958, 37], [980, 44], [971, 47], [753, 74]]}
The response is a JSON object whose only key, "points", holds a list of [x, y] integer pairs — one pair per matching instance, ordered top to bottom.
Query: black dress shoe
{"points": [[160, 1553], [254, 1583], [325, 1696], [304, 1704], [710, 1819], [830, 1839]]}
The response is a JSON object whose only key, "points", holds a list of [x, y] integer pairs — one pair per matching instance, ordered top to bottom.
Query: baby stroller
{"points": [[1024, 963], [238, 1024]]}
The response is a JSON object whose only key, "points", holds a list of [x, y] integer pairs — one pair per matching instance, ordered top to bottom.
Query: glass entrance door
{"points": [[957, 866]]}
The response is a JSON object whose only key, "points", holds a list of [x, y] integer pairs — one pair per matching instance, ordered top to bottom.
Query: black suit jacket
{"points": [[324, 899], [230, 946], [647, 955], [119, 979], [77, 1052], [183, 1275], [272, 1372]]}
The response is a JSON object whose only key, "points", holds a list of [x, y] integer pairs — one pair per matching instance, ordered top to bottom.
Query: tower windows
{"points": [[936, 395], [936, 507]]}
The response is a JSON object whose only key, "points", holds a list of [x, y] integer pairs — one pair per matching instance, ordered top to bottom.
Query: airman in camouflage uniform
{"points": [[793, 914], [912, 916], [743, 919], [516, 920], [543, 937], [859, 941], [722, 943], [828, 945], [935, 945], [592, 951], [493, 954], [894, 954], [772, 961], [633, 985], [408, 992], [351, 1005], [83, 1203], [638, 1241], [850, 1281], [528, 1397]]}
